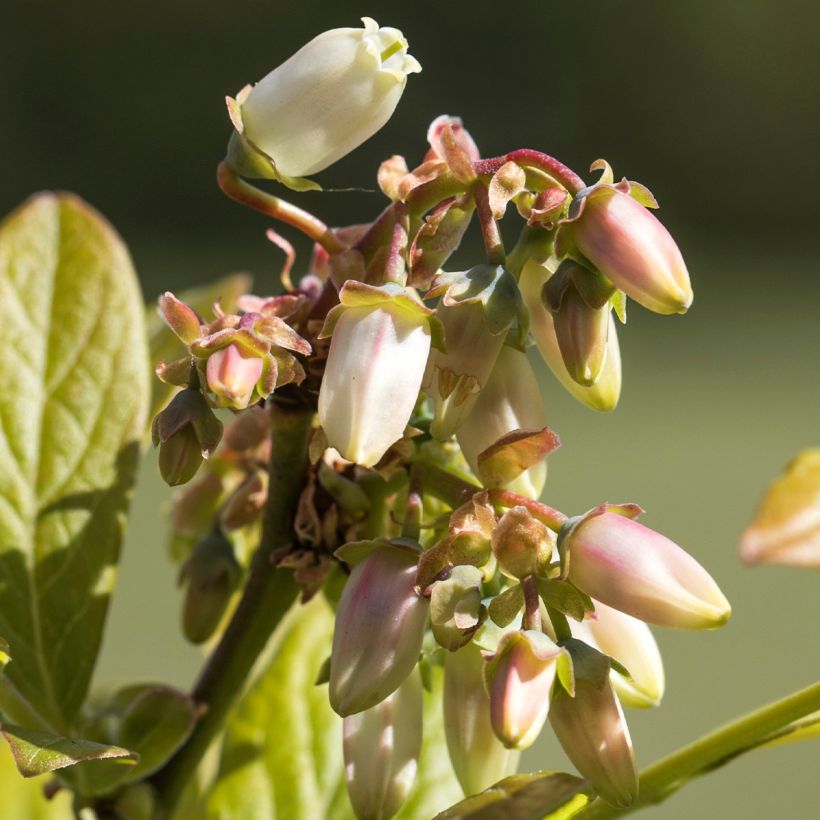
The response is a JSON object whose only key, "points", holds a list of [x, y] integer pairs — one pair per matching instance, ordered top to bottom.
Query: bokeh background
{"points": [[713, 105]]}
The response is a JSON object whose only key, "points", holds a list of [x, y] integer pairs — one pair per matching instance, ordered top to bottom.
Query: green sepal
{"points": [[249, 160], [492, 286], [354, 552], [565, 597], [507, 605], [455, 607], [588, 663], [37, 753], [546, 795]]}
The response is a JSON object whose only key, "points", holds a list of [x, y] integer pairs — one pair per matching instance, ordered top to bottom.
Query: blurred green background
{"points": [[713, 105]]}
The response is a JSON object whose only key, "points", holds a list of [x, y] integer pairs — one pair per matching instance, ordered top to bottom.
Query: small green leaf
{"points": [[164, 346], [73, 401], [153, 721], [42, 752], [548, 795], [24, 798]]}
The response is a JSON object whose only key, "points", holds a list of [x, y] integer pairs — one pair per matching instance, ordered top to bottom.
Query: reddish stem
{"points": [[534, 159], [245, 194], [493, 243], [546, 515]]}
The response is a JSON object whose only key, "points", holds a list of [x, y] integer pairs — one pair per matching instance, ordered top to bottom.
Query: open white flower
{"points": [[328, 98]]}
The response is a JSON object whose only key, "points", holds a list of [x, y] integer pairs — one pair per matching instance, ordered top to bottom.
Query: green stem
{"points": [[245, 194], [268, 595], [559, 623], [670, 773]]}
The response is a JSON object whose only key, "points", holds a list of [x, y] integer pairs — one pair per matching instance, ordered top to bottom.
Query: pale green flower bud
{"points": [[328, 98], [604, 394], [511, 400], [632, 644], [381, 751], [479, 758]]}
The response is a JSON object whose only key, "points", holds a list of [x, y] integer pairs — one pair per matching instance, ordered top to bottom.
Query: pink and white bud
{"points": [[328, 98], [628, 244], [232, 375], [372, 379], [455, 379], [604, 393], [511, 400], [642, 573], [379, 629], [632, 644], [519, 681], [592, 730], [381, 751], [479, 758]]}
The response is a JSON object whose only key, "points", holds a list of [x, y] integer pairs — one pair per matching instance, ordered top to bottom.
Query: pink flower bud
{"points": [[627, 243], [232, 375], [372, 379], [511, 400], [641, 572], [380, 625], [631, 643], [519, 680], [592, 730], [381, 750], [479, 759]]}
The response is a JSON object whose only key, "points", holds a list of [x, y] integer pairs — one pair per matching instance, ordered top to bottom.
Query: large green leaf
{"points": [[72, 407], [282, 753], [24, 799]]}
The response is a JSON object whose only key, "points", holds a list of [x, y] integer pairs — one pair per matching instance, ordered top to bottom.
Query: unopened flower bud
{"points": [[328, 98], [628, 244], [581, 329], [374, 369], [232, 375], [455, 379], [604, 393], [511, 400], [186, 431], [245, 504], [522, 544], [641, 572], [211, 576], [379, 629], [631, 643], [519, 680], [592, 729], [381, 750], [479, 758]]}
